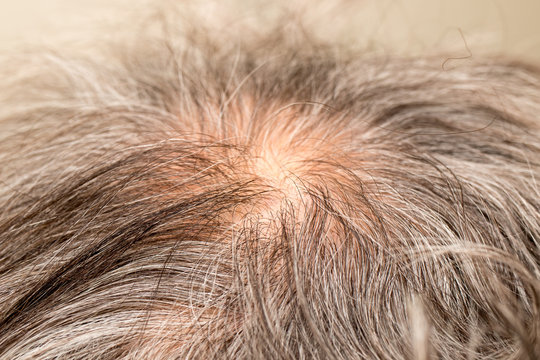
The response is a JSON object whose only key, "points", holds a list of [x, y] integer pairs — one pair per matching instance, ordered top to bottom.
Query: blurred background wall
{"points": [[511, 27]]}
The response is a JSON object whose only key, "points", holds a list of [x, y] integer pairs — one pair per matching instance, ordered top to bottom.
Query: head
{"points": [[269, 198]]}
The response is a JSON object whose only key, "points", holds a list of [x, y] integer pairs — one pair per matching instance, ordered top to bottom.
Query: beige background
{"points": [[404, 26]]}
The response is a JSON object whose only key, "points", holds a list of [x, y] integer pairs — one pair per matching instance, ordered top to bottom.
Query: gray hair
{"points": [[268, 198]]}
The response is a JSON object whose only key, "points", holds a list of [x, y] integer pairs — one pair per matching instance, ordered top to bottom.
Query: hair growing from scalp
{"points": [[270, 198]]}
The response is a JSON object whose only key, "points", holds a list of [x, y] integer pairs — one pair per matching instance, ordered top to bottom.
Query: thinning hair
{"points": [[269, 198]]}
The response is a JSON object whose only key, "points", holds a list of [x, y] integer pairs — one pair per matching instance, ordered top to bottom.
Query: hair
{"points": [[268, 198]]}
